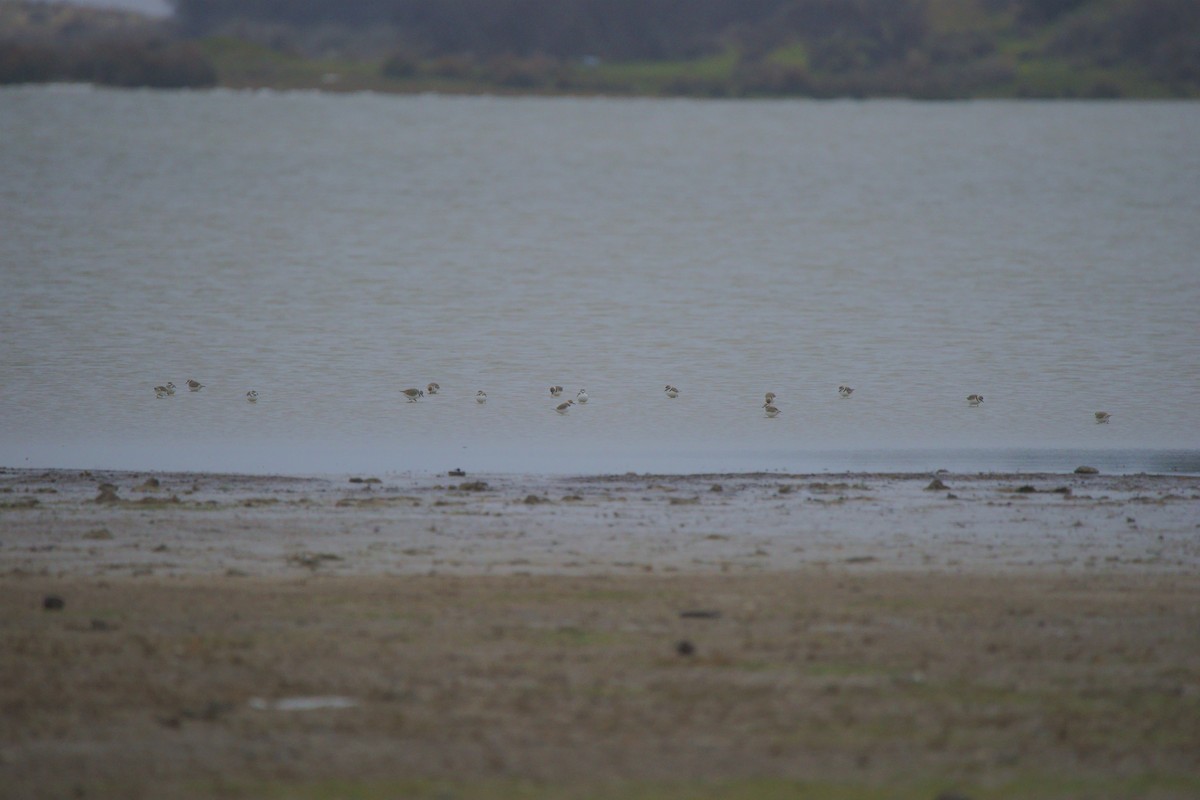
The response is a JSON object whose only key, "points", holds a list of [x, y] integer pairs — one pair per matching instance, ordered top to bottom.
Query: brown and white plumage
{"points": [[413, 394], [974, 399], [563, 408], [1102, 417]]}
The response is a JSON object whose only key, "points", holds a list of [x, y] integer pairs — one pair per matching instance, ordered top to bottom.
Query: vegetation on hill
{"points": [[42, 42], [721, 48]]}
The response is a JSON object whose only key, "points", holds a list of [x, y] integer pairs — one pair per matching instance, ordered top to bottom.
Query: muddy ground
{"points": [[624, 637]]}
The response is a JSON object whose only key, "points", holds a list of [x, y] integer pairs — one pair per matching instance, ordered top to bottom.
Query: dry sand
{"points": [[629, 636]]}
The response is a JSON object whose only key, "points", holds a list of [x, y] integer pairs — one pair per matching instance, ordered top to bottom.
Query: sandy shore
{"points": [[624, 636]]}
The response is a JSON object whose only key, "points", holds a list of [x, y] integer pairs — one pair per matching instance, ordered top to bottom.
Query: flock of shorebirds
{"points": [[193, 385], [770, 409]]}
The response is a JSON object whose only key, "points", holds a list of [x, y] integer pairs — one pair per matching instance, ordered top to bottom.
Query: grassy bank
{"points": [[242, 64]]}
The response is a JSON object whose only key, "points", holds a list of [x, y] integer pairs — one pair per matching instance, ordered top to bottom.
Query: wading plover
{"points": [[194, 385], [432, 388], [164, 391], [556, 391], [671, 391], [845, 391], [413, 394], [252, 396], [582, 396], [481, 397], [770, 397], [974, 399], [563, 408], [771, 410], [1102, 416]]}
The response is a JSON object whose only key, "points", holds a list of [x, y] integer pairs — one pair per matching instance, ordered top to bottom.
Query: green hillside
{"points": [[937, 49]]}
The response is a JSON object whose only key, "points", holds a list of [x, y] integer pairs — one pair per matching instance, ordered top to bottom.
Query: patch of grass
{"points": [[655, 77]]}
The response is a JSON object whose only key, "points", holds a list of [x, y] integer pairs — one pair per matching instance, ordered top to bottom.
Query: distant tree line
{"points": [[888, 38], [57, 41], [158, 63]]}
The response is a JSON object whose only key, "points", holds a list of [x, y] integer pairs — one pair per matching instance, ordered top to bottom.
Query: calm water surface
{"points": [[330, 251]]}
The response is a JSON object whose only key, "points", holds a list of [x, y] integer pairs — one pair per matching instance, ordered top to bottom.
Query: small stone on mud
{"points": [[1085, 470], [456, 473], [936, 485], [473, 486], [716, 487], [1026, 489], [1063, 490], [533, 500], [311, 560], [53, 602], [700, 613], [685, 648]]}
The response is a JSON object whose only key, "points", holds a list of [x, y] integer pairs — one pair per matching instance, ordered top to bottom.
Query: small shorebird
{"points": [[194, 385], [432, 388], [164, 391], [556, 391], [671, 391], [845, 391], [413, 394], [252, 396], [481, 397], [582, 397], [770, 397], [974, 399], [563, 408], [771, 410], [1102, 417]]}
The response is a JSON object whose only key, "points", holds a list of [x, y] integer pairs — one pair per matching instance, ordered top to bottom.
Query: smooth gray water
{"points": [[330, 251]]}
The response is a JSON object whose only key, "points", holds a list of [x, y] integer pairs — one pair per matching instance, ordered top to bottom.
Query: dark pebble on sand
{"points": [[1086, 471], [456, 473], [936, 485], [1026, 489], [533, 500], [53, 602], [700, 613], [685, 648]]}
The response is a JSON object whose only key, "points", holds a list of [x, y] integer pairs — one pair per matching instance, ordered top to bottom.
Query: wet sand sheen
{"points": [[489, 636]]}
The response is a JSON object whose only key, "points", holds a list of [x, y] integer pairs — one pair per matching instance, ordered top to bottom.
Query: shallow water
{"points": [[329, 251]]}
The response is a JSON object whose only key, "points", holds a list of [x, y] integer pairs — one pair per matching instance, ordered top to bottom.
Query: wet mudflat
{"points": [[633, 636]]}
